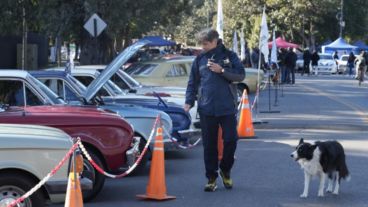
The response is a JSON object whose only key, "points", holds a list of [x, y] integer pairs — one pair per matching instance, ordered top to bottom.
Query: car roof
{"points": [[13, 73]]}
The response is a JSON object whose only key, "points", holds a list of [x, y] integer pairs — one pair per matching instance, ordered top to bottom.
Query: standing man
{"points": [[291, 58], [315, 59], [306, 61], [210, 83]]}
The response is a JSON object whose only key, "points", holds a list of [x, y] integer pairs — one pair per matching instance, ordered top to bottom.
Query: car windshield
{"points": [[325, 57], [344, 58], [139, 69], [131, 81], [79, 86], [115, 88], [52, 98]]}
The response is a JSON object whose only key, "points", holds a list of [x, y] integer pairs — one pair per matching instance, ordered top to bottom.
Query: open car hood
{"points": [[112, 68]]}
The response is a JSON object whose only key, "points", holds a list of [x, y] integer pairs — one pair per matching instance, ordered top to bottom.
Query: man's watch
{"points": [[222, 70]]}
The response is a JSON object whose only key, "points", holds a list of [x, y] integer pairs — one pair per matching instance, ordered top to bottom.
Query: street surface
{"points": [[315, 108]]}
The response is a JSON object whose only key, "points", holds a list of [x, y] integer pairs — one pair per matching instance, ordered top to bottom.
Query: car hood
{"points": [[324, 62], [112, 68], [172, 91], [137, 99], [133, 111], [16, 136]]}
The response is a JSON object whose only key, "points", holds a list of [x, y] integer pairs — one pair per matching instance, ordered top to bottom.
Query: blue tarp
{"points": [[157, 41], [339, 45], [361, 45]]}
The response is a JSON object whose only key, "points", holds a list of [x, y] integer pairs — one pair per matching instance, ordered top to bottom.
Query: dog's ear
{"points": [[301, 141]]}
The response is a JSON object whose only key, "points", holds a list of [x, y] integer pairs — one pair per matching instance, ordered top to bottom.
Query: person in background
{"points": [[335, 56], [291, 58], [315, 59], [351, 60], [306, 61], [211, 84]]}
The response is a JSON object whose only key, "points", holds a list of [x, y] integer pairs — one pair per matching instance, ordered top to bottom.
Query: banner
{"points": [[220, 20], [263, 37], [235, 43], [242, 45], [274, 49]]}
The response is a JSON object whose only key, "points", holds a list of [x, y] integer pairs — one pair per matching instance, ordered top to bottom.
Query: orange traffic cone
{"points": [[245, 125], [220, 144], [156, 188], [74, 196]]}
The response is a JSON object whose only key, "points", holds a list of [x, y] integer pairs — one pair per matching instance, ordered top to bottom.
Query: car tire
{"points": [[142, 165], [91, 173], [14, 185]]}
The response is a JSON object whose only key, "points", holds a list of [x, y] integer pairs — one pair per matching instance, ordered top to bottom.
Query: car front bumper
{"points": [[60, 186]]}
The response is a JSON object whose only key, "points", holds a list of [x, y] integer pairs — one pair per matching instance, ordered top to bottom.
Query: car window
{"points": [[326, 57], [344, 58], [140, 69], [177, 70], [86, 80], [119, 82], [57, 86], [11, 92], [32, 99]]}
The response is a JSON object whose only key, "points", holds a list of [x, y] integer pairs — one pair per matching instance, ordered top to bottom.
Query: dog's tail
{"points": [[343, 171]]}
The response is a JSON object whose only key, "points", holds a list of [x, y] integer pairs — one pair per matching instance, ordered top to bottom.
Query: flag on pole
{"points": [[220, 20], [263, 37], [235, 43], [242, 45], [274, 49]]}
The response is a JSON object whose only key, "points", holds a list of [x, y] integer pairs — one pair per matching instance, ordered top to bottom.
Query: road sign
{"points": [[95, 25]]}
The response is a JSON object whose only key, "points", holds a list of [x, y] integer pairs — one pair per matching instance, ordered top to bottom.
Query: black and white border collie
{"points": [[321, 159]]}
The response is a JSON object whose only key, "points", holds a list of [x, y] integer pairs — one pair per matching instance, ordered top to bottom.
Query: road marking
{"points": [[359, 110]]}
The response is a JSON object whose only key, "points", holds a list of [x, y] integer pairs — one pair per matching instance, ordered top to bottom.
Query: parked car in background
{"points": [[299, 63], [326, 64], [342, 64], [175, 72], [130, 86], [142, 119], [107, 136], [27, 154]]}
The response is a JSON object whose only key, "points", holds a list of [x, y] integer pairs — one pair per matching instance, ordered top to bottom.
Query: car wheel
{"points": [[142, 165], [91, 173], [13, 186]]}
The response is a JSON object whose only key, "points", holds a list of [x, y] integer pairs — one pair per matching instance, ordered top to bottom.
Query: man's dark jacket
{"points": [[215, 93]]}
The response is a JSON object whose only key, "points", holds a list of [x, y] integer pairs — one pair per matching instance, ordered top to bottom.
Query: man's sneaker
{"points": [[226, 180], [211, 186]]}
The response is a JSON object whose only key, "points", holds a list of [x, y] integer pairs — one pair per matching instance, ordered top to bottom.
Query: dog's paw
{"points": [[329, 190], [335, 193], [321, 194], [304, 195]]}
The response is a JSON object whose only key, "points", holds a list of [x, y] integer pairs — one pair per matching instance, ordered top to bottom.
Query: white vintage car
{"points": [[326, 65], [174, 72], [27, 154]]}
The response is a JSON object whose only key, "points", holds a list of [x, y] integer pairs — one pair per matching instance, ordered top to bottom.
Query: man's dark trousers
{"points": [[210, 126]]}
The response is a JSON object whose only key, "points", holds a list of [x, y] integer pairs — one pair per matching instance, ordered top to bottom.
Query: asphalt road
{"points": [[316, 108]]}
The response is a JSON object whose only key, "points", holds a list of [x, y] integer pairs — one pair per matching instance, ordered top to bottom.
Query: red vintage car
{"points": [[106, 135]]}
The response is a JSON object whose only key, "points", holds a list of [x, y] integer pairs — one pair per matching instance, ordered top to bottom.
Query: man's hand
{"points": [[214, 67], [187, 107]]}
